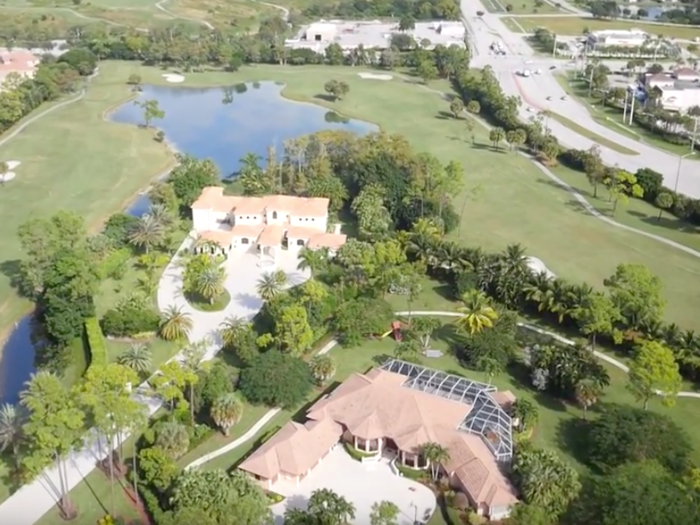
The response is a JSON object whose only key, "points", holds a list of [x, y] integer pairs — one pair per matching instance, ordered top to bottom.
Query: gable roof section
{"points": [[213, 198], [294, 449]]}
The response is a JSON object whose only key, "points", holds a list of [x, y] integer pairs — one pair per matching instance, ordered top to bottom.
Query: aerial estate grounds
{"points": [[515, 203]]}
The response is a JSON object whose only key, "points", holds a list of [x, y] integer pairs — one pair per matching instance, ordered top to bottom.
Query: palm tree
{"points": [[160, 214], [148, 232], [313, 260], [209, 283], [269, 285], [477, 312], [175, 324], [232, 330], [138, 357], [322, 368], [587, 394], [226, 411], [11, 433], [174, 438], [434, 454], [329, 508]]}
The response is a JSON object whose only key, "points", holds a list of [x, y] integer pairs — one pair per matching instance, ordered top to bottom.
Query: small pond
{"points": [[222, 124]]}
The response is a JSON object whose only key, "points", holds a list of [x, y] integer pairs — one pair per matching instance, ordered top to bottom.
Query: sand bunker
{"points": [[374, 76], [173, 78], [9, 175], [538, 266]]}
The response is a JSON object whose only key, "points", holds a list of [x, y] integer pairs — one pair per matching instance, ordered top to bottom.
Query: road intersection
{"points": [[535, 90]]}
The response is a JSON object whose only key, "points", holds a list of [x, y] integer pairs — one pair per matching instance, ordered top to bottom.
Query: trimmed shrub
{"points": [[130, 319], [96, 342]]}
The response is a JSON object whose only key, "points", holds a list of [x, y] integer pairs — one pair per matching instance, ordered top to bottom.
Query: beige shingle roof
{"points": [[212, 197], [327, 240], [376, 405], [294, 449]]}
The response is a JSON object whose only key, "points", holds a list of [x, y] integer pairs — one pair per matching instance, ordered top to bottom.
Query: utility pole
{"points": [[554, 47], [590, 81], [632, 108], [624, 112], [695, 133]]}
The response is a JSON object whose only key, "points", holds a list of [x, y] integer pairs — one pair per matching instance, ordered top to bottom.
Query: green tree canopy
{"points": [[276, 379], [624, 434]]}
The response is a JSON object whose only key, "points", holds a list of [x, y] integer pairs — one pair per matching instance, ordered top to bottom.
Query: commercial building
{"points": [[374, 34], [618, 38], [680, 90], [261, 224], [395, 410]]}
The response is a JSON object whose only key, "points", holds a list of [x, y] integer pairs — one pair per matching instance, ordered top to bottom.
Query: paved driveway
{"points": [[362, 485]]}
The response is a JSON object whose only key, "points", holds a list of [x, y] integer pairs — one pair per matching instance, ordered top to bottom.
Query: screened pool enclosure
{"points": [[485, 417]]}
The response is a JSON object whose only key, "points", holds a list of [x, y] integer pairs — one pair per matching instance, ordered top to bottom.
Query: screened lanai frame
{"points": [[486, 418]]}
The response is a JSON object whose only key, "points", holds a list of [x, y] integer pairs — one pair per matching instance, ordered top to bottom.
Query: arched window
{"points": [[274, 214], [245, 240], [300, 242]]}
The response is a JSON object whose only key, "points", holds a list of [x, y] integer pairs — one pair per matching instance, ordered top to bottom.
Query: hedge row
{"points": [[96, 342]]}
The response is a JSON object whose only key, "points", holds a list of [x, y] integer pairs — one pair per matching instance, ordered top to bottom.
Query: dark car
{"points": [[552, 67]]}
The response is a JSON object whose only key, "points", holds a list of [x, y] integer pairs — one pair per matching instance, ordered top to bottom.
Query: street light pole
{"points": [[678, 172]]}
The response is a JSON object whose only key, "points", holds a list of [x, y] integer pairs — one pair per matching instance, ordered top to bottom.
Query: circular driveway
{"points": [[362, 485]]}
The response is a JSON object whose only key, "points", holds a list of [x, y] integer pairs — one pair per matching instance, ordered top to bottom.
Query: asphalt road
{"points": [[535, 89]]}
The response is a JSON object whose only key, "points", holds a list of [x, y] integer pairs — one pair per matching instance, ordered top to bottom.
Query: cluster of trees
{"points": [[411, 9], [53, 78], [64, 265]]}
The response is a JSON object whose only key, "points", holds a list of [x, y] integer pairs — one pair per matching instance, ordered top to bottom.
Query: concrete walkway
{"points": [[250, 434], [32, 501]]}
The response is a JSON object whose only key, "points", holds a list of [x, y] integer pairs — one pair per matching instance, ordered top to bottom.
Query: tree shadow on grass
{"points": [[325, 98], [444, 115], [488, 147], [669, 223], [12, 270], [448, 334], [380, 359], [520, 374], [572, 436]]}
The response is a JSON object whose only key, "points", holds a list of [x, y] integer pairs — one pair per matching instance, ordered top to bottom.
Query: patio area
{"points": [[362, 484]]}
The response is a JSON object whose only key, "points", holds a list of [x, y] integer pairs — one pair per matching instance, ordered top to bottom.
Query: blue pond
{"points": [[222, 124]]}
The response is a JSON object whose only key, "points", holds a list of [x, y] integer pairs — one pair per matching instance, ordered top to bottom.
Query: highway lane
{"points": [[535, 89]]}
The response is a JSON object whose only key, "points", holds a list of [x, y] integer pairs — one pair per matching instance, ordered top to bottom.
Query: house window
{"points": [[274, 214], [247, 216], [312, 219], [245, 240], [300, 242]]}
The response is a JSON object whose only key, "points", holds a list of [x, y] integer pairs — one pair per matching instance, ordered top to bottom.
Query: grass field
{"points": [[522, 7], [575, 26], [612, 117], [73, 159]]}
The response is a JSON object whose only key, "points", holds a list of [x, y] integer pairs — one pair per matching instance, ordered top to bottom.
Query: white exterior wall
{"points": [[326, 32], [688, 78], [680, 99], [281, 218], [249, 219], [203, 220], [318, 223], [292, 245], [239, 246], [499, 513]]}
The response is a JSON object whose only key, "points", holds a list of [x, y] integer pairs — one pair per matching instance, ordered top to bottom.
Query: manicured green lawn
{"points": [[521, 7], [571, 25], [585, 132], [73, 159], [200, 303]]}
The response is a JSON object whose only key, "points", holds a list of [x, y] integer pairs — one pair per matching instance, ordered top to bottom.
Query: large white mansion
{"points": [[262, 224]]}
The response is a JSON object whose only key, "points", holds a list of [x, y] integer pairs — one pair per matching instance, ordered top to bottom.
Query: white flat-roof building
{"points": [[321, 32], [618, 37], [680, 90]]}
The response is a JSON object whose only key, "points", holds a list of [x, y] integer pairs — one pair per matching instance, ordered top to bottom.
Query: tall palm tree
{"points": [[161, 215], [147, 233], [313, 260], [209, 283], [269, 286], [477, 312], [175, 324], [232, 330], [138, 357], [322, 368], [587, 394], [226, 411], [12, 419], [174, 438], [434, 454]]}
